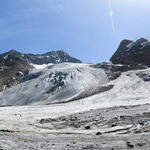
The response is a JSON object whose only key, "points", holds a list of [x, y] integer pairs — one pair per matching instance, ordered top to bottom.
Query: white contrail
{"points": [[111, 15]]}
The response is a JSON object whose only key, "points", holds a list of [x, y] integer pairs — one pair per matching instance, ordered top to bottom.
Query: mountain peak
{"points": [[143, 39], [137, 43], [124, 44], [13, 51], [56, 52], [132, 52], [54, 57]]}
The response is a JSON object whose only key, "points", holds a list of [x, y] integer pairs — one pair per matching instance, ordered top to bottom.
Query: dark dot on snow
{"points": [[87, 127], [98, 133], [130, 145]]}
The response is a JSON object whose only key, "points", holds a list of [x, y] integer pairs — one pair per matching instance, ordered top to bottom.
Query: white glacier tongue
{"points": [[80, 83], [54, 84]]}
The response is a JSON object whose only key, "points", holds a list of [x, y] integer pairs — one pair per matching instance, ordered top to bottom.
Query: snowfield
{"points": [[41, 66], [80, 83]]}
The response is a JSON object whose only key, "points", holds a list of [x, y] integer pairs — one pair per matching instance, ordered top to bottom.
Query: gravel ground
{"points": [[115, 128], [20, 141]]}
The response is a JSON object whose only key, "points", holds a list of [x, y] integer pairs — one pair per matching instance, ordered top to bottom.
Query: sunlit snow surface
{"points": [[41, 66], [55, 83]]}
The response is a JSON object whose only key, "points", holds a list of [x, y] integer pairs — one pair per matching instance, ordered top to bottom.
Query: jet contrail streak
{"points": [[111, 15]]}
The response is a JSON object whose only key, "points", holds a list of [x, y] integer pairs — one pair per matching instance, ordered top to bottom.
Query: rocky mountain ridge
{"points": [[133, 53], [15, 65]]}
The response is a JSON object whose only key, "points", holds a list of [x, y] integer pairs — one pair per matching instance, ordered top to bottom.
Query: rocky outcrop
{"points": [[132, 53], [54, 57], [13, 68]]}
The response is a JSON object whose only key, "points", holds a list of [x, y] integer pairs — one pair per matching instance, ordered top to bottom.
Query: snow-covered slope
{"points": [[56, 83], [81, 83], [131, 87]]}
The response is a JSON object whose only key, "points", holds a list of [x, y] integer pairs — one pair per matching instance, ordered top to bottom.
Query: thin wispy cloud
{"points": [[111, 15]]}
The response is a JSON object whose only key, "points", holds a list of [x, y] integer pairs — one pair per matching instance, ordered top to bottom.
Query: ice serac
{"points": [[129, 52], [59, 83]]}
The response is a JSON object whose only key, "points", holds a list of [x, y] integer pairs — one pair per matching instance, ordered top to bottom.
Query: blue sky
{"points": [[82, 28]]}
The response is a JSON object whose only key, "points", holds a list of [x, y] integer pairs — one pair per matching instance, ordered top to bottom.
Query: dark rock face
{"points": [[122, 47], [130, 52], [129, 56], [54, 57], [12, 58], [14, 66], [113, 71], [145, 76]]}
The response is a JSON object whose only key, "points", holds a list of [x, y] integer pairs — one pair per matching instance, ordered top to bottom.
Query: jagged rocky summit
{"points": [[132, 53]]}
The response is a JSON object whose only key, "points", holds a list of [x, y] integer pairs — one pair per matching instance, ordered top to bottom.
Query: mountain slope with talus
{"points": [[13, 67]]}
